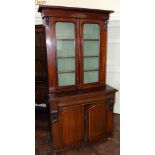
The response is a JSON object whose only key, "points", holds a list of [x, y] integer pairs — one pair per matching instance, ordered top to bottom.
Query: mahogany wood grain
{"points": [[61, 11], [78, 16], [50, 45], [57, 87], [82, 113], [83, 118], [72, 119], [96, 121], [42, 146]]}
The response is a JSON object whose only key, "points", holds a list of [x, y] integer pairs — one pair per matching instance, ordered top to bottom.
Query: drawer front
{"points": [[84, 100]]}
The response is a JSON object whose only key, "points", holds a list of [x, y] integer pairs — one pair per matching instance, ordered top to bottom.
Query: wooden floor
{"points": [[42, 146]]}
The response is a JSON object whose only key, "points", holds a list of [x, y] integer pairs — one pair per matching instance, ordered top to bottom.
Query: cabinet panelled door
{"points": [[78, 52], [92, 52]]}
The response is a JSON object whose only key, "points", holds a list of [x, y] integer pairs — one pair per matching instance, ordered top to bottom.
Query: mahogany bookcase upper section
{"points": [[61, 11], [76, 40]]}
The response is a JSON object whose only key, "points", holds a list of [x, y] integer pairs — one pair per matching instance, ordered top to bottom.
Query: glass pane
{"points": [[65, 30], [91, 31], [65, 39], [65, 48], [91, 48], [91, 52], [91, 63], [66, 64], [91, 76], [66, 79]]}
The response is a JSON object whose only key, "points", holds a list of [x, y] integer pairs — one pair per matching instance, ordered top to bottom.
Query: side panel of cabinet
{"points": [[109, 115], [96, 121], [109, 123], [69, 130]]}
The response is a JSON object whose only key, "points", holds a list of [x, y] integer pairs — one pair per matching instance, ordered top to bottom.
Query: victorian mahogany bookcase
{"points": [[74, 85]]}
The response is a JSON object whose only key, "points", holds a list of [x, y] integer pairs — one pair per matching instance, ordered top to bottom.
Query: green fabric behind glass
{"points": [[64, 30], [91, 31], [91, 48], [65, 49], [91, 63], [66, 64], [91, 76], [66, 79]]}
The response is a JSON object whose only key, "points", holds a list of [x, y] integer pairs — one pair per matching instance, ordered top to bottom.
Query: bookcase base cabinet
{"points": [[80, 119]]}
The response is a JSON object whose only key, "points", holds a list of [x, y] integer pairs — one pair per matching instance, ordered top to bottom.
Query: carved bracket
{"points": [[46, 21], [105, 25], [110, 104], [54, 115], [54, 118]]}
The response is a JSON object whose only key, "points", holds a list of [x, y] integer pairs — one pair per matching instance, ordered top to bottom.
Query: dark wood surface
{"points": [[61, 11], [78, 16], [40, 54], [52, 55], [41, 77], [80, 114], [81, 118], [96, 124], [72, 130], [42, 145]]}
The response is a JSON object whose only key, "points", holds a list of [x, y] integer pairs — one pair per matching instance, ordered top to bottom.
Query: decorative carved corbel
{"points": [[46, 21], [105, 25], [110, 104], [54, 115], [54, 118]]}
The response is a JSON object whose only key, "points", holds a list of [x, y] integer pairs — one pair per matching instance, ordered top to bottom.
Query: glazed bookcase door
{"points": [[66, 52], [92, 52]]}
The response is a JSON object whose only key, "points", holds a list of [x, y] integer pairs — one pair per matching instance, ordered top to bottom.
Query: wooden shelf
{"points": [[65, 39], [91, 39], [91, 56], [65, 57], [91, 70], [62, 72]]}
